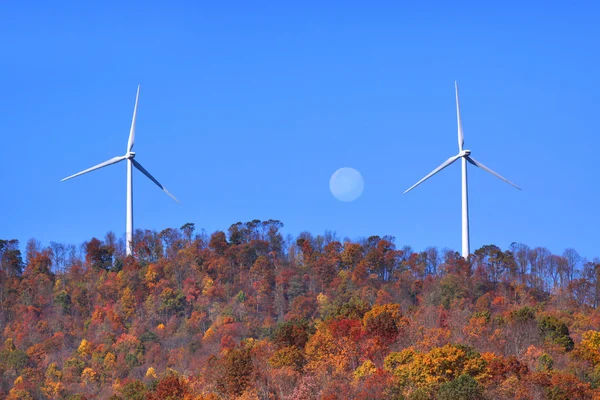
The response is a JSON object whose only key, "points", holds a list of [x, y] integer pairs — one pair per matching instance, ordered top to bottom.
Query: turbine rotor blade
{"points": [[132, 130], [461, 136], [113, 160], [480, 165], [435, 171], [153, 179]]}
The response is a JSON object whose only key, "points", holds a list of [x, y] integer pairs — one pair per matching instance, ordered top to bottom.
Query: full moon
{"points": [[346, 184]]}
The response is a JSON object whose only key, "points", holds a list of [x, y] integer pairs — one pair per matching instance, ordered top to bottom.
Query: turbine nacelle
{"points": [[464, 153], [130, 155]]}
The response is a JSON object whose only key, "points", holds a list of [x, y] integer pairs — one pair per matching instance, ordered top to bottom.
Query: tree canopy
{"points": [[247, 313]]}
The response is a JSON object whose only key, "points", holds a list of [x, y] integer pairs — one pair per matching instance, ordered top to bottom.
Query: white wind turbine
{"points": [[465, 155], [129, 156]]}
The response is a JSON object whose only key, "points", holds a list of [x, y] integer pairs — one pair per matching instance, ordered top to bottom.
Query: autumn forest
{"points": [[249, 313]]}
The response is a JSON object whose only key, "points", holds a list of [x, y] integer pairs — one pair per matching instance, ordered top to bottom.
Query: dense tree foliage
{"points": [[251, 314]]}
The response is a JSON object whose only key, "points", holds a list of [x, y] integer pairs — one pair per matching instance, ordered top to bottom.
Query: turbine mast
{"points": [[465, 211], [129, 228]]}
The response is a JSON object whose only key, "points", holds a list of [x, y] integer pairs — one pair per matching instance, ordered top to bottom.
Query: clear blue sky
{"points": [[246, 111]]}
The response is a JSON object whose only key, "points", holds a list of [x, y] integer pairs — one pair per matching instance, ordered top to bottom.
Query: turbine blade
{"points": [[132, 130], [461, 136], [113, 160], [480, 165], [435, 171], [153, 179]]}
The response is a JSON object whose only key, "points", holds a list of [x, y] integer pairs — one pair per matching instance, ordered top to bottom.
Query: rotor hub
{"points": [[465, 153], [130, 155]]}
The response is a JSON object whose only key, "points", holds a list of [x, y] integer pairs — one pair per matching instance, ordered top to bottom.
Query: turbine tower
{"points": [[129, 156], [465, 156]]}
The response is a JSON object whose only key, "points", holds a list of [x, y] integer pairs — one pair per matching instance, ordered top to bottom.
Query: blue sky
{"points": [[246, 111]]}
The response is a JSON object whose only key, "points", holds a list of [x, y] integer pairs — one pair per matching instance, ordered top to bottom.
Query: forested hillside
{"points": [[250, 314]]}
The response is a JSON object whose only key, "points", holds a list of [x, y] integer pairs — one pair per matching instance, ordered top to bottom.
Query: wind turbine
{"points": [[129, 156], [465, 156]]}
